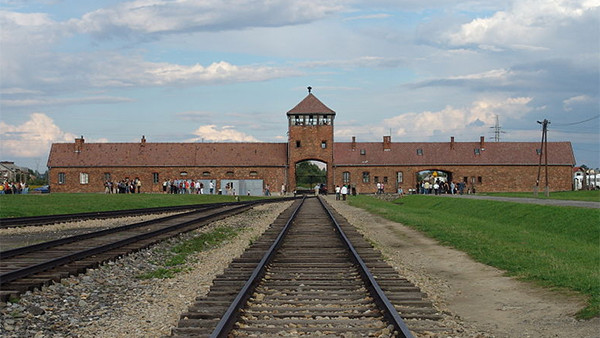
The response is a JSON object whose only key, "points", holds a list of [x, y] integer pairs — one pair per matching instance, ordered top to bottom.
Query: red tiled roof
{"points": [[311, 105], [439, 153], [168, 154]]}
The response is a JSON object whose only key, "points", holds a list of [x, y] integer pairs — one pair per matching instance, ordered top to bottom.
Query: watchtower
{"points": [[310, 130]]}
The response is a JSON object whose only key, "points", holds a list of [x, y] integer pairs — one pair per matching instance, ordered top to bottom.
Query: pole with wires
{"points": [[544, 153]]}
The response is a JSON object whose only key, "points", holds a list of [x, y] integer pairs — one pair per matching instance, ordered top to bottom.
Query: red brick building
{"points": [[252, 167]]}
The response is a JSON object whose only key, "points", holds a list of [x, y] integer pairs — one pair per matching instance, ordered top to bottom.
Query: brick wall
{"points": [[310, 148], [272, 176], [484, 178]]}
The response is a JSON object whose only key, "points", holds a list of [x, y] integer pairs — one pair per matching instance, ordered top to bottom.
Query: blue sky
{"points": [[228, 71]]}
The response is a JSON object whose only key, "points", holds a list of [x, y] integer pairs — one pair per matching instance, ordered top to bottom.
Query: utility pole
{"points": [[544, 153]]}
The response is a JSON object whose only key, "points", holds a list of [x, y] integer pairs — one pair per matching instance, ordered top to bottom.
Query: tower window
{"points": [[298, 144], [323, 144]]}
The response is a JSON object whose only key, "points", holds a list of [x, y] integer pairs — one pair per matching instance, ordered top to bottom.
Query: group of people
{"points": [[124, 186], [190, 186], [439, 187], [13, 188], [341, 192]]}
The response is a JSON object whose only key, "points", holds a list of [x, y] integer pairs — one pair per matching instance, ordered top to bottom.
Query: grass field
{"points": [[581, 195], [53, 204], [557, 247]]}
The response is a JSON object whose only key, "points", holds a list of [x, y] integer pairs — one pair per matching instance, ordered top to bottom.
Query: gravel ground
{"points": [[476, 300], [111, 302]]}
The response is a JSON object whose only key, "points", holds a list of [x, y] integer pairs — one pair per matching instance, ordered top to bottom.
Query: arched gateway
{"points": [[310, 130]]}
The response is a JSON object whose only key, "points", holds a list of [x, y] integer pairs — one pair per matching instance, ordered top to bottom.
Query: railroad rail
{"points": [[11, 222], [30, 267], [311, 273]]}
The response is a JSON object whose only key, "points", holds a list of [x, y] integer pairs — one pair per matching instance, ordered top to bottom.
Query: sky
{"points": [[229, 70]]}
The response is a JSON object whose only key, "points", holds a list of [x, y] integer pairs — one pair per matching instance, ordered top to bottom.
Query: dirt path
{"points": [[482, 301]]}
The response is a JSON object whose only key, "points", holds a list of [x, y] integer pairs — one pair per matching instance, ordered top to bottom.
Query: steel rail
{"points": [[7, 222], [62, 241], [8, 277], [377, 293], [230, 316]]}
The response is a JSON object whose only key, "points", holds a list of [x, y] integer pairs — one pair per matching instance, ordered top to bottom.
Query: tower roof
{"points": [[311, 105]]}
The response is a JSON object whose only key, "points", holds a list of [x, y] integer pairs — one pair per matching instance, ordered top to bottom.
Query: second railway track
{"points": [[30, 267], [310, 283]]}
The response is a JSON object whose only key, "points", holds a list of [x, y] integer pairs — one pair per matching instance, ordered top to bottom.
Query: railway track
{"points": [[11, 222], [30, 267], [311, 273]]}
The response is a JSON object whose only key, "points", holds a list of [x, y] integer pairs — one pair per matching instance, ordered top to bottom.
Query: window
{"points": [[312, 121], [298, 144], [323, 144], [363, 151], [477, 151], [538, 151], [420, 152], [183, 173], [206, 173], [229, 173], [253, 173], [365, 176], [106, 177], [346, 177], [400, 177], [62, 178], [84, 178], [155, 178], [376, 179], [465, 179], [479, 179], [385, 180]]}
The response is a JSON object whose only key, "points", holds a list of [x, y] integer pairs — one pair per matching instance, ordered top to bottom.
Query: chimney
{"points": [[143, 141], [452, 142], [482, 142], [353, 143], [387, 143], [79, 144]]}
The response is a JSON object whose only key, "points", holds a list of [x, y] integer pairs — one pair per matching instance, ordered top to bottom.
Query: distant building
{"points": [[252, 167], [12, 173]]}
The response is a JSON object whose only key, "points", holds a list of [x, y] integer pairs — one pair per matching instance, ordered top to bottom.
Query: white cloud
{"points": [[162, 16], [527, 25], [576, 100], [63, 101], [433, 125], [224, 134], [32, 138]]}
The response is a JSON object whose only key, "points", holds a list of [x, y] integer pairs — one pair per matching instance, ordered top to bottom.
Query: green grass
{"points": [[581, 195], [53, 204], [557, 247], [180, 253]]}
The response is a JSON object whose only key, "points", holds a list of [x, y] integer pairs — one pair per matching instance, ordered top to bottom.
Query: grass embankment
{"points": [[580, 195], [54, 204], [553, 246], [178, 254]]}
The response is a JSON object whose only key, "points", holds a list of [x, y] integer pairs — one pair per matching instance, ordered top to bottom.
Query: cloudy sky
{"points": [[227, 71]]}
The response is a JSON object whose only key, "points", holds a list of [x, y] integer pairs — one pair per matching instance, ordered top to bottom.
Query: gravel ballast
{"points": [[111, 301]]}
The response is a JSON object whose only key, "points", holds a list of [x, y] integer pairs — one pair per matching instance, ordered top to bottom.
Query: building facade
{"points": [[251, 168]]}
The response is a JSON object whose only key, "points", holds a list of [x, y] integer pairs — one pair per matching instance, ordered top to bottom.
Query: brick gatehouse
{"points": [[252, 167]]}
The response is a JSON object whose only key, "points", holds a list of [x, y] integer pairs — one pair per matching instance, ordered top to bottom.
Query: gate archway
{"points": [[309, 173], [426, 179]]}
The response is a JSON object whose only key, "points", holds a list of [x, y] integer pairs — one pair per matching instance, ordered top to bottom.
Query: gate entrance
{"points": [[311, 173], [427, 179]]}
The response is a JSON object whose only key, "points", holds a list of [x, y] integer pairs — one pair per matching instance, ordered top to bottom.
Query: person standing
{"points": [[211, 187], [283, 189], [337, 192], [344, 192]]}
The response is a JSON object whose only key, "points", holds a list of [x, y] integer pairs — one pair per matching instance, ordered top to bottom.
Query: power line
{"points": [[574, 123]]}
